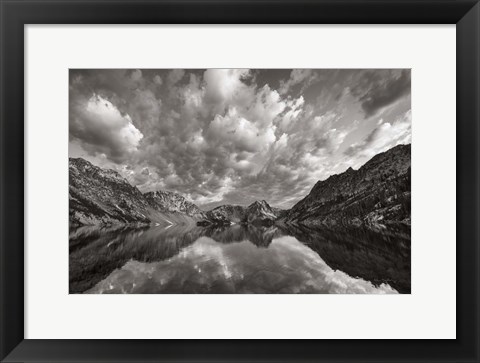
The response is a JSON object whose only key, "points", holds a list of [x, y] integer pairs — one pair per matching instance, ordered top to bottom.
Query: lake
{"points": [[186, 259]]}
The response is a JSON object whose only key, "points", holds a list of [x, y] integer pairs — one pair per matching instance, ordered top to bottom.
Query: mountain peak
{"points": [[259, 203]]}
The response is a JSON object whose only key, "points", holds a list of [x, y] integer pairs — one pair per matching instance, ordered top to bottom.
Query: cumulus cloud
{"points": [[175, 76], [303, 77], [157, 80], [222, 84], [376, 90], [144, 108], [103, 129], [240, 132], [233, 136], [385, 136]]}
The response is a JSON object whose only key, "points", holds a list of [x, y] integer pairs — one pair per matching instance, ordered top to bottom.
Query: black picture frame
{"points": [[15, 14]]}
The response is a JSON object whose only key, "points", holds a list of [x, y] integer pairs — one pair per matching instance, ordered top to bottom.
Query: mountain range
{"points": [[377, 193], [103, 197]]}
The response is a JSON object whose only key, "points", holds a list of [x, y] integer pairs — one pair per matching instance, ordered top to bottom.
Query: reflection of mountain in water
{"points": [[96, 251], [371, 255], [379, 256], [208, 267]]}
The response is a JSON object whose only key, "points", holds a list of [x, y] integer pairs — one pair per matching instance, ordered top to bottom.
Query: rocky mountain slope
{"points": [[377, 193], [98, 196], [102, 197], [172, 202], [233, 213], [259, 213]]}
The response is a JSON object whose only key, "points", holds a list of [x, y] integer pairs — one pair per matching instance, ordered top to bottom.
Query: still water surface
{"points": [[239, 259]]}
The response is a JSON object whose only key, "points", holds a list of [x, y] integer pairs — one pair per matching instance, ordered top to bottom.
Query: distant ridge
{"points": [[377, 193], [103, 197], [259, 213]]}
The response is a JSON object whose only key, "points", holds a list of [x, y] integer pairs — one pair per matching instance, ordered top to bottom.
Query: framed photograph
{"points": [[240, 181]]}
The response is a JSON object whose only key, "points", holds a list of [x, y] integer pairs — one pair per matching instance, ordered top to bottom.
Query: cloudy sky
{"points": [[234, 136]]}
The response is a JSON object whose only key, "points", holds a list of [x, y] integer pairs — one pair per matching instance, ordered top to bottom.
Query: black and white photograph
{"points": [[239, 181]]}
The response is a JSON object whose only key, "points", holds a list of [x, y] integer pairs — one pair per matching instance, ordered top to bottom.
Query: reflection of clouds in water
{"points": [[212, 251], [287, 266]]}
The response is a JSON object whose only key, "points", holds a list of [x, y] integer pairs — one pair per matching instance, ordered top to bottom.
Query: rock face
{"points": [[377, 193], [98, 196], [103, 197], [172, 202], [233, 213], [258, 213]]}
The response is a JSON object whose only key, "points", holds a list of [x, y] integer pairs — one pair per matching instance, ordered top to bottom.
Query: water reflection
{"points": [[238, 259]]}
